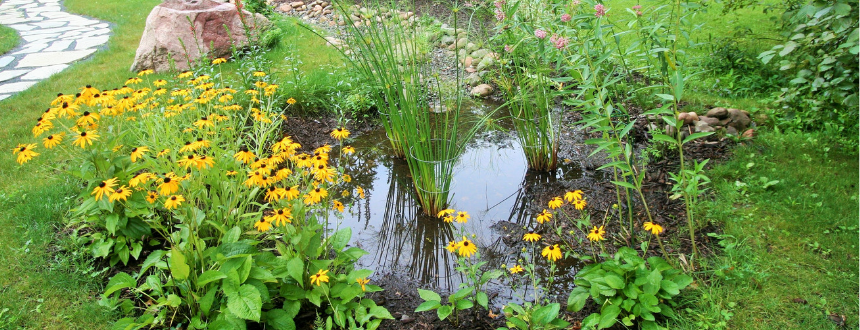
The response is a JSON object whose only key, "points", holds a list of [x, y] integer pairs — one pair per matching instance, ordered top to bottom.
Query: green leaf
{"points": [[789, 47], [666, 97], [694, 136], [664, 138], [624, 184], [111, 222], [340, 239], [178, 267], [296, 269], [209, 276], [655, 277], [682, 280], [118, 282], [670, 287], [428, 295], [482, 299], [577, 299], [648, 299], [207, 300], [173, 301], [247, 304], [464, 304], [428, 305], [443, 312], [380, 313], [544, 315], [608, 316], [280, 320], [591, 321]]}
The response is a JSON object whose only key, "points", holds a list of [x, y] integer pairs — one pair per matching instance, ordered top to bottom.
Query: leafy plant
{"points": [[629, 290]]}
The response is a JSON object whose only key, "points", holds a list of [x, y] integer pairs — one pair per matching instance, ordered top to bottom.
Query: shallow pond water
{"points": [[491, 182]]}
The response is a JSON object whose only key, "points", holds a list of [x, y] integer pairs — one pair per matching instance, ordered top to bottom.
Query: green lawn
{"points": [[8, 39], [788, 208]]}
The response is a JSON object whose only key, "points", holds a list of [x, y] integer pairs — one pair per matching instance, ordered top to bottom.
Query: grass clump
{"points": [[8, 39]]}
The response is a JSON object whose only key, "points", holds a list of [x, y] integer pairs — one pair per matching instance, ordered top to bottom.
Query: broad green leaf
{"points": [[789, 47], [666, 97], [694, 136], [664, 138], [624, 184], [111, 222], [340, 239], [178, 267], [296, 270], [209, 276], [682, 280], [614, 281], [118, 282], [670, 287], [428, 295], [482, 299], [577, 299], [648, 299], [207, 300], [247, 304], [464, 304], [428, 305], [380, 312], [443, 312], [546, 314], [608, 316], [280, 320], [591, 321]]}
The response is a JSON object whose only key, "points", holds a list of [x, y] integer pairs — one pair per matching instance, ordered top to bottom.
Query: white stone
{"points": [[50, 24], [22, 27], [43, 31], [36, 37], [85, 43], [60, 45], [32, 48], [53, 58], [5, 60], [44, 72], [9, 74], [16, 87], [3, 96]]}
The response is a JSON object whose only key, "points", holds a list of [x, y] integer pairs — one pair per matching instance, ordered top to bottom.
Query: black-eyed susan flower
{"points": [[219, 61], [145, 72], [185, 74], [259, 74], [134, 80], [60, 99], [291, 101], [87, 118], [204, 122], [42, 127], [340, 133], [85, 138], [53, 140], [348, 150], [25, 152], [138, 153], [162, 153], [244, 155], [188, 161], [204, 162], [231, 173], [324, 173], [283, 174], [141, 178], [168, 186], [104, 188], [360, 192], [120, 193], [291, 193], [344, 193], [274, 194], [151, 196], [315, 196], [572, 196], [173, 202], [555, 203], [580, 204], [336, 205], [444, 213], [544, 216], [280, 217], [462, 217], [263, 225], [654, 228], [596, 234], [531, 236], [452, 247], [467, 248], [551, 253], [516, 269], [319, 277], [362, 282]]}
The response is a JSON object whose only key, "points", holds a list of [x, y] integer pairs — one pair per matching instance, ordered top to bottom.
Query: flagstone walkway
{"points": [[51, 39]]}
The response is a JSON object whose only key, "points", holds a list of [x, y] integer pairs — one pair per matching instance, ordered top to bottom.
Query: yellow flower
{"points": [[219, 60], [145, 72], [185, 74], [259, 74], [134, 80], [158, 83], [291, 101], [203, 122], [340, 133], [85, 138], [348, 150], [25, 152], [137, 153], [162, 153], [244, 155], [187, 161], [231, 173], [324, 173], [346, 178], [140, 179], [168, 186], [104, 188], [360, 192], [121, 193], [291, 193], [151, 196], [315, 196], [572, 196], [174, 202], [555, 203], [580, 204], [336, 205], [444, 213], [544, 216], [280, 217], [463, 217], [263, 226], [653, 228], [596, 234], [531, 236], [453, 247], [467, 248], [552, 253], [516, 269], [319, 277], [362, 282]]}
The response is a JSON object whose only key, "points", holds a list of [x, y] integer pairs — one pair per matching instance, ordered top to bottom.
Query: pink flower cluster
{"points": [[575, 2], [637, 9], [599, 10], [500, 15], [565, 17], [540, 34], [559, 42], [509, 48]]}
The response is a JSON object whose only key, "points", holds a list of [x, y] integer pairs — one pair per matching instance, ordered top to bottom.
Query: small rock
{"points": [[297, 4], [285, 8], [317, 8], [447, 40], [461, 43], [471, 47], [480, 53], [468, 61], [487, 62], [471, 70], [473, 79], [482, 90], [719, 113], [682, 117], [692, 117], [710, 120], [739, 120], [703, 127], [731, 131], [748, 134], [406, 319]]}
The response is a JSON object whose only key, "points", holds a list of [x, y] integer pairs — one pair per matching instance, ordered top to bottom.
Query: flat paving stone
{"points": [[85, 43], [60, 45], [53, 58], [5, 60], [44, 72], [9, 74], [16, 87], [3, 96]]}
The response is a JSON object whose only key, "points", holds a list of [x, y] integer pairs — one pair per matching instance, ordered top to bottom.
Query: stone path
{"points": [[51, 39]]}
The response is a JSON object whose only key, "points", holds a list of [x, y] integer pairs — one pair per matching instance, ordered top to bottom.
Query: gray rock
{"points": [[447, 40], [461, 43], [471, 47], [480, 53], [487, 62], [473, 79], [482, 90], [719, 113], [709, 120], [739, 120], [702, 126], [731, 131]]}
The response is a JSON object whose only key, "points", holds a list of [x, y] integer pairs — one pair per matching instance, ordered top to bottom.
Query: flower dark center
{"points": [[203, 118], [83, 134], [50, 137], [199, 139], [187, 143], [134, 150], [190, 157], [166, 180], [102, 185], [119, 191], [173, 198], [280, 212], [465, 243], [551, 248]]}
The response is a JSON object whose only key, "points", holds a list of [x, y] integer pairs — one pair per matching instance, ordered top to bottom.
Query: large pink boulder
{"points": [[170, 35]]}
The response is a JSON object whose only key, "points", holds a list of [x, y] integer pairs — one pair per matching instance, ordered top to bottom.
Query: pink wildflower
{"points": [[575, 2], [499, 4], [637, 7], [599, 10], [638, 13], [500, 15], [565, 17], [540, 34], [559, 42], [509, 49]]}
